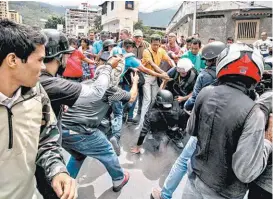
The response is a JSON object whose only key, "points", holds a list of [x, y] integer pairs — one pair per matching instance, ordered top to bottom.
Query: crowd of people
{"points": [[76, 94]]}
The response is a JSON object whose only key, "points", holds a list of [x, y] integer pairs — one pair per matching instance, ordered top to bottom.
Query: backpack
{"points": [[127, 74]]}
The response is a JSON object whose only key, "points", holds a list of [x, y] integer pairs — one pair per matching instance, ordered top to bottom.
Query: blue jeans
{"points": [[131, 106], [117, 108], [94, 145], [179, 169]]}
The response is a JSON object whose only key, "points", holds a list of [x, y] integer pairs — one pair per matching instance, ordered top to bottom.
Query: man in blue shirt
{"points": [[98, 45], [130, 62]]}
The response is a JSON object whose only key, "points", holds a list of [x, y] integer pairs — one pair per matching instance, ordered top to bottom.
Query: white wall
{"points": [[206, 6], [123, 18]]}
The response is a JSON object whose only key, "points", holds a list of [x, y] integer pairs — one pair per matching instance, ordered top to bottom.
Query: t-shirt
{"points": [[263, 46], [97, 47], [175, 49], [156, 57], [196, 60], [130, 62], [73, 66], [60, 91]]}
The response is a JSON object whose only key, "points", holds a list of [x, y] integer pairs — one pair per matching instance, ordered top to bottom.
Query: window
{"points": [[112, 5], [129, 5], [104, 8], [80, 27], [247, 29]]}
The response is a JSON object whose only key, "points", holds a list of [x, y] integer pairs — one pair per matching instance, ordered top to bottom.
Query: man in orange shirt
{"points": [[152, 58]]}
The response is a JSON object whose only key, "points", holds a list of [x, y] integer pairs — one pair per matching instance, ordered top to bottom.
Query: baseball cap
{"points": [[138, 33]]}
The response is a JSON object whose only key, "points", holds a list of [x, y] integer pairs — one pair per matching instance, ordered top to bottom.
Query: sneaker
{"points": [[178, 143], [115, 145], [125, 181], [156, 194]]}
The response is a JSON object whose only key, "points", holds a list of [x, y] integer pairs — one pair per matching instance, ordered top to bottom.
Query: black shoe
{"points": [[136, 119], [132, 121], [178, 143], [115, 145]]}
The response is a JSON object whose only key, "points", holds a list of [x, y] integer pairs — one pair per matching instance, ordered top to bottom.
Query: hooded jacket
{"points": [[28, 136]]}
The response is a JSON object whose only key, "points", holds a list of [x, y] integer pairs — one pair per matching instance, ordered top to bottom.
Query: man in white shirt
{"points": [[263, 44]]}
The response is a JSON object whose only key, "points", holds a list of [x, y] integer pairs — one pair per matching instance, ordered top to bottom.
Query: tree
{"points": [[53, 21], [97, 23], [139, 25], [147, 31]]}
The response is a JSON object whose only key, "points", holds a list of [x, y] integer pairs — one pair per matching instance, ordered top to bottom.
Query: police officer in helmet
{"points": [[161, 117]]}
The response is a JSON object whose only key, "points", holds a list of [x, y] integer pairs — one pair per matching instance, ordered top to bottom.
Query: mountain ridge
{"points": [[34, 13]]}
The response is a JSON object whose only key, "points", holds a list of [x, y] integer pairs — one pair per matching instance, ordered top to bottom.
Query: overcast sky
{"points": [[145, 5]]}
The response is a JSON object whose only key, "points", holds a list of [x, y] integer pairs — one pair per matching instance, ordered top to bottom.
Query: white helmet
{"points": [[240, 59], [184, 65]]}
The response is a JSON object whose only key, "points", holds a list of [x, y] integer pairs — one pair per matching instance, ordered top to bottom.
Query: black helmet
{"points": [[108, 42], [129, 42], [57, 43], [212, 50], [105, 56], [165, 98]]}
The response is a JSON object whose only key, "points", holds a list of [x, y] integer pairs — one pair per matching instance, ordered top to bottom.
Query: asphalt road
{"points": [[147, 170]]}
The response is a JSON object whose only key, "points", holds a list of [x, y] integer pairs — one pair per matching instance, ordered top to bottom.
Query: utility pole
{"points": [[194, 18]]}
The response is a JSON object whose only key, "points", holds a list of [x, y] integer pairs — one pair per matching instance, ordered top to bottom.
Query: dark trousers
{"points": [[140, 99], [256, 192]]}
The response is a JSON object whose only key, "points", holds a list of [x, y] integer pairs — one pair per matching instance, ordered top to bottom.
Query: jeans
{"points": [[150, 90], [131, 106], [116, 122], [94, 145], [179, 169]]}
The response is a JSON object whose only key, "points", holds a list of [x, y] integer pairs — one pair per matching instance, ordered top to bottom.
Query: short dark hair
{"points": [[155, 37], [18, 39], [212, 39], [230, 39], [72, 40], [85, 40], [189, 40], [164, 41], [196, 41], [128, 43]]}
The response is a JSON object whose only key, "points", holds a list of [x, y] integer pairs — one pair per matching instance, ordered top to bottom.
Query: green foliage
{"points": [[34, 12], [53, 21], [97, 23], [147, 31]]}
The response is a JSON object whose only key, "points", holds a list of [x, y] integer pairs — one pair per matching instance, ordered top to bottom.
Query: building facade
{"points": [[4, 9], [118, 15], [15, 16], [243, 21], [78, 22]]}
